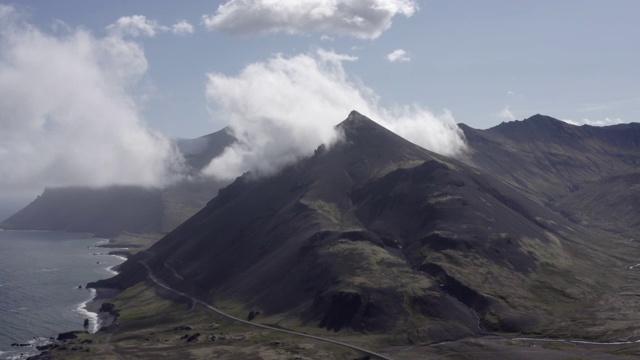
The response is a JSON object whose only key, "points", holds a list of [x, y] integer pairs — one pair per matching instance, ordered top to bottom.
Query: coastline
{"points": [[85, 301], [90, 309], [97, 309], [100, 319]]}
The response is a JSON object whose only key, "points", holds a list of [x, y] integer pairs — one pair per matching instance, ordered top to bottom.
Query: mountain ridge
{"points": [[548, 164], [379, 235]]}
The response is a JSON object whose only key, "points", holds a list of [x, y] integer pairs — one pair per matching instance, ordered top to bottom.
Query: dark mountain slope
{"points": [[548, 158], [587, 173], [612, 203], [112, 210], [101, 211], [378, 234]]}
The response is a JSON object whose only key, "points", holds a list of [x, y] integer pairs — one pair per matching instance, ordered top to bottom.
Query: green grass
{"points": [[329, 210], [374, 267], [142, 302]]}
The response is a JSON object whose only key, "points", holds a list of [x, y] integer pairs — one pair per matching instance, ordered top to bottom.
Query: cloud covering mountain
{"points": [[71, 104], [282, 109]]}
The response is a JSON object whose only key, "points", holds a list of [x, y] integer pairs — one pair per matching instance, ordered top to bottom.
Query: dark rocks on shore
{"points": [[79, 286], [108, 308], [86, 323], [183, 328], [67, 335], [20, 345], [47, 347]]}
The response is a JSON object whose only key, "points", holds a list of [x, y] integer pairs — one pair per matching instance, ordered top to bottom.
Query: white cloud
{"points": [[363, 19], [135, 26], [140, 26], [182, 28], [326, 37], [398, 55], [334, 58], [511, 93], [282, 109], [506, 114], [66, 116], [602, 122]]}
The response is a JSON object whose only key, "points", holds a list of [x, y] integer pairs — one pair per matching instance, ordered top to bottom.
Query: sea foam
{"points": [[94, 324]]}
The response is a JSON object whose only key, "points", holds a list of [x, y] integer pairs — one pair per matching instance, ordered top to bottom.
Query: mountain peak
{"points": [[544, 119], [536, 120], [355, 121], [356, 126], [535, 128]]}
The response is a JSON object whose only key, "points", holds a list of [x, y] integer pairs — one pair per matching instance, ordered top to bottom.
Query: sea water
{"points": [[40, 275]]}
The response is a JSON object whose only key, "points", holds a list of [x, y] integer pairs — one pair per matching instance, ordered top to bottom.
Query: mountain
{"points": [[198, 152], [548, 158], [589, 174], [611, 203], [105, 211], [110, 211], [377, 235]]}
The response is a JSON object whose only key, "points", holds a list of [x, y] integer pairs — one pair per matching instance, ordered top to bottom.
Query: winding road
{"points": [[220, 312], [579, 342], [350, 346]]}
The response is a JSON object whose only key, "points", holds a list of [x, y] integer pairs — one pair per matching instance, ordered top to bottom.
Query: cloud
{"points": [[363, 19], [135, 26], [140, 26], [182, 28], [326, 37], [398, 55], [285, 107], [506, 114], [66, 116], [603, 122]]}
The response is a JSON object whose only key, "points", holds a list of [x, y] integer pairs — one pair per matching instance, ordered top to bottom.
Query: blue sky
{"points": [[569, 59], [121, 77]]}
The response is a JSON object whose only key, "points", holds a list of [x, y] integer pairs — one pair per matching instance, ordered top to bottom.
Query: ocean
{"points": [[40, 272]]}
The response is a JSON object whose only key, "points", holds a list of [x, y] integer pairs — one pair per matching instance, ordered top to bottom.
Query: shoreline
{"points": [[91, 307], [88, 309], [97, 309], [102, 319]]}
